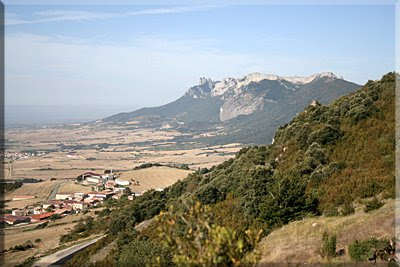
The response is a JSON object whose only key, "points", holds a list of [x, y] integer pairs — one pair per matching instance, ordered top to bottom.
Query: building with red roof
{"points": [[41, 217], [13, 220]]}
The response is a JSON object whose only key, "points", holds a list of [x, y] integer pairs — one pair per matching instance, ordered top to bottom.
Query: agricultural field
{"points": [[70, 150], [59, 154], [153, 178], [72, 187], [40, 190]]}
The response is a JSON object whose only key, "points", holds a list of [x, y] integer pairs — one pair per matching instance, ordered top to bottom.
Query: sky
{"points": [[137, 55]]}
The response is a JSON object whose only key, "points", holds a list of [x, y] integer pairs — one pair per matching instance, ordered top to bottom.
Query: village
{"points": [[104, 187]]}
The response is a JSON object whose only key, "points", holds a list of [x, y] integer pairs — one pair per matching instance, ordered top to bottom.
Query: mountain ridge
{"points": [[221, 103]]}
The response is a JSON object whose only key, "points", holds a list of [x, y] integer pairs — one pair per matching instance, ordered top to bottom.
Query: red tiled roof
{"points": [[92, 173], [42, 215], [12, 218]]}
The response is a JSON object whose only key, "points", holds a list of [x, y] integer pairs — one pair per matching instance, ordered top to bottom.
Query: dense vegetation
{"points": [[320, 163], [149, 165], [8, 187], [361, 250]]}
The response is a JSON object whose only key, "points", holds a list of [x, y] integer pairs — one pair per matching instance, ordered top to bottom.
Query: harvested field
{"points": [[152, 178], [71, 187], [40, 190]]}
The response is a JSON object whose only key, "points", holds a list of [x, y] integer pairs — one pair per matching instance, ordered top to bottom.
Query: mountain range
{"points": [[245, 110]]}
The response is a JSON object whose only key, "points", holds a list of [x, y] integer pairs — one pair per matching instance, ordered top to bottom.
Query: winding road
{"points": [[60, 257]]}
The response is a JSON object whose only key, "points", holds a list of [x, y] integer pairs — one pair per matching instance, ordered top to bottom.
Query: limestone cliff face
{"points": [[247, 95], [210, 102], [244, 104]]}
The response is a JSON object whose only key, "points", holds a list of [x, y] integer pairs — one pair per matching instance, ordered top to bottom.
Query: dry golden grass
{"points": [[120, 156], [152, 178], [71, 187], [40, 190], [50, 237], [299, 242]]}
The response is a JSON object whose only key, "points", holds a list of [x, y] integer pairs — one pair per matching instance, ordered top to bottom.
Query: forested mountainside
{"points": [[248, 109], [319, 164]]}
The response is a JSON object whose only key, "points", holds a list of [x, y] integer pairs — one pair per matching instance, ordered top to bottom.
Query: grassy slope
{"points": [[300, 241]]}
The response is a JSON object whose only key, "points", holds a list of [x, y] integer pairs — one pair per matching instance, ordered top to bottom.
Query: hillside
{"points": [[248, 109], [322, 163], [299, 241]]}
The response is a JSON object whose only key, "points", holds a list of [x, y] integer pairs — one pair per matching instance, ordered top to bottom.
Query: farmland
{"points": [[59, 154]]}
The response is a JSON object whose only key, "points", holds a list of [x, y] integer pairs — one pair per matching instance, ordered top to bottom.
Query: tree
{"points": [[195, 241], [144, 253]]}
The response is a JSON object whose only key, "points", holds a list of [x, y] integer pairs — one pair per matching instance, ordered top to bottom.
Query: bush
{"points": [[326, 135], [373, 204], [347, 209], [104, 212], [331, 212], [54, 217], [41, 226], [38, 240], [195, 241], [27, 245], [329, 245], [362, 250], [144, 253]]}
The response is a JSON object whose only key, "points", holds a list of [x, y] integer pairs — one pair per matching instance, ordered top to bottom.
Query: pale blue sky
{"points": [[148, 55]]}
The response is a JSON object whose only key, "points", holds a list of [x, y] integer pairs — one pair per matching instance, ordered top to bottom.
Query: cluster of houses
{"points": [[19, 155], [98, 181], [104, 187], [63, 204]]}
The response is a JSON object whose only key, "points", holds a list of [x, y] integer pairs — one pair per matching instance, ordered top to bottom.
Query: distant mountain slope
{"points": [[255, 104]]}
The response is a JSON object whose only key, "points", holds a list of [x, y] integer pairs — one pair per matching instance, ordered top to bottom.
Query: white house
{"points": [[93, 179], [122, 182], [63, 196], [79, 205], [17, 212]]}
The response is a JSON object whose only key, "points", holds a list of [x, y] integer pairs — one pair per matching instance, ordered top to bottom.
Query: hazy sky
{"points": [[148, 55]]}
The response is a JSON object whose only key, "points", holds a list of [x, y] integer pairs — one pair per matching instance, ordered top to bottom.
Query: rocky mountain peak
{"points": [[206, 81]]}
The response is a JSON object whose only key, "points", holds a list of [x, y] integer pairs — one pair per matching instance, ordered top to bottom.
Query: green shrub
{"points": [[373, 204], [347, 209], [331, 212], [54, 217], [41, 226], [38, 240], [195, 241], [27, 245], [328, 245], [362, 250], [144, 253]]}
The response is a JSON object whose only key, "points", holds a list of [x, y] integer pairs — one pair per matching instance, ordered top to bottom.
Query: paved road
{"points": [[54, 190], [58, 258]]}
